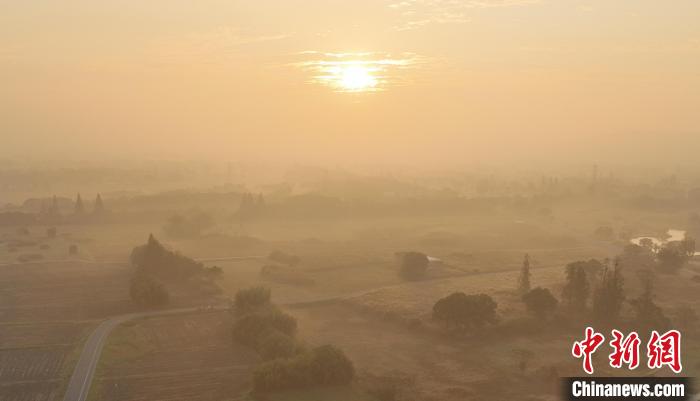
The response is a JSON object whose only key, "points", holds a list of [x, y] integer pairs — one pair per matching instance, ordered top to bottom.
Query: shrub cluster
{"points": [[156, 260], [147, 292], [271, 332], [321, 366]]}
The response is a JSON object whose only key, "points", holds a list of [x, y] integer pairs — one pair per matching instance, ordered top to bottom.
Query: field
{"points": [[345, 291], [46, 311], [188, 357]]}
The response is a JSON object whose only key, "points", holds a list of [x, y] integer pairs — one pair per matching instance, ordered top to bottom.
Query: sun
{"points": [[356, 78]]}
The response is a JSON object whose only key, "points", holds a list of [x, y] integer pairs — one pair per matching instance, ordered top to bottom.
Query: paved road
{"points": [[80, 381]]}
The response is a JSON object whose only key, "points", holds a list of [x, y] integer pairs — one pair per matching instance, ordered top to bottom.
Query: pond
{"points": [[673, 235]]}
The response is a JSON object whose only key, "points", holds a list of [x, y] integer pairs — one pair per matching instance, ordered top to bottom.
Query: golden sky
{"points": [[441, 81]]}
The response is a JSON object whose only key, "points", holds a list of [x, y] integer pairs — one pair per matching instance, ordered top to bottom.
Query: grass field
{"points": [[188, 357]]}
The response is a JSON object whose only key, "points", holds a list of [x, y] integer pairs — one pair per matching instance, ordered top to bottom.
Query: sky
{"points": [[330, 81]]}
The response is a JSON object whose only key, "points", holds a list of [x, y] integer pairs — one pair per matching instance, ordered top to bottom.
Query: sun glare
{"points": [[357, 72], [356, 78]]}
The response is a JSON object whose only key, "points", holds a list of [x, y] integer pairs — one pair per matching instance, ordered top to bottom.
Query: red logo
{"points": [[587, 347], [662, 350], [665, 350]]}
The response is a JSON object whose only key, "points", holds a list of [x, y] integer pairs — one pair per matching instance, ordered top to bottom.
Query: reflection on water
{"points": [[673, 235]]}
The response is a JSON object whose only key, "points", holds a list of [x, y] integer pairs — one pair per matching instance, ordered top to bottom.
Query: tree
{"points": [[99, 206], [79, 207], [51, 232], [604, 233], [687, 246], [73, 250], [673, 256], [637, 257], [156, 260], [413, 265], [524, 279], [576, 289], [147, 292], [609, 296], [251, 298], [540, 302], [465, 312], [648, 315], [277, 345], [323, 366], [330, 366]]}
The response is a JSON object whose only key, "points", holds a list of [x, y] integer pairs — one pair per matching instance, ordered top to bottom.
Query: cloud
{"points": [[419, 13], [215, 45], [383, 70]]}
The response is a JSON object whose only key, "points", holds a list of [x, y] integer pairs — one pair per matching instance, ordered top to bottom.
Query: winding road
{"points": [[80, 381]]}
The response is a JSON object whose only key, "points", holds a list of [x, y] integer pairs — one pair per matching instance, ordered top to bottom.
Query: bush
{"points": [[73, 250], [673, 256], [156, 260], [147, 292], [251, 298], [540, 302], [465, 311], [250, 329], [277, 345], [325, 365], [330, 366]]}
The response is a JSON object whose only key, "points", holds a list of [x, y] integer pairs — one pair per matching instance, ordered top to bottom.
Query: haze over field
{"points": [[416, 81], [358, 200]]}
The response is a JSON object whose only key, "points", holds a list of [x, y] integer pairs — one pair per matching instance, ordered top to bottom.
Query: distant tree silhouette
{"points": [[251, 206], [79, 207], [99, 207], [674, 255], [157, 261], [524, 278], [576, 289], [147, 292], [609, 296], [251, 298], [540, 302], [465, 312], [648, 315], [322, 366]]}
